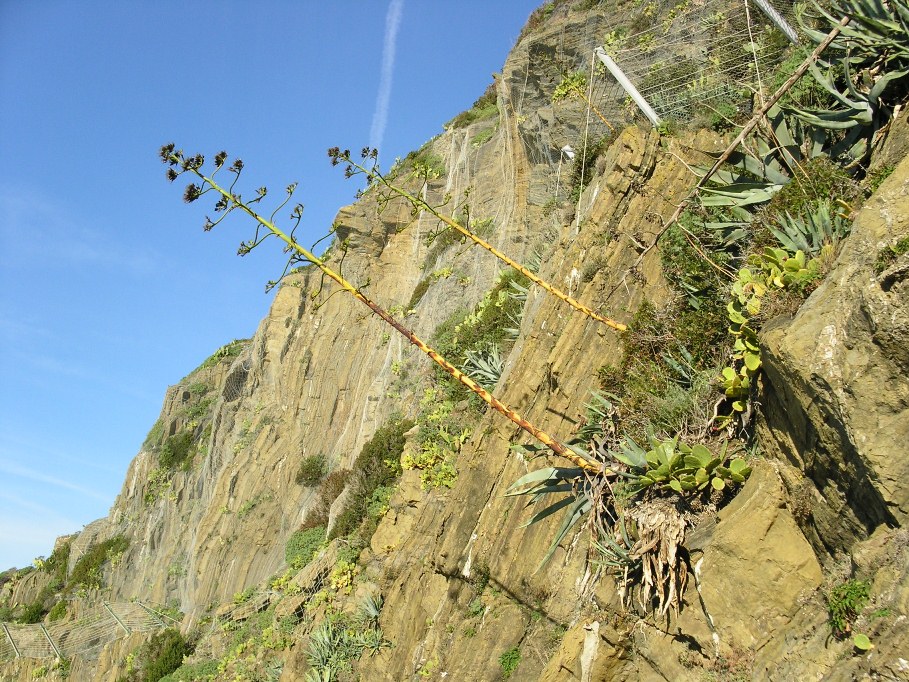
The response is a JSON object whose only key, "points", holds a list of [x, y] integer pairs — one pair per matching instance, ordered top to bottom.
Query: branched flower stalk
{"points": [[370, 170], [229, 201]]}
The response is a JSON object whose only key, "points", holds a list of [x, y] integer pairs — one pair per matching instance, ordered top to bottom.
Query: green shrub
{"points": [[807, 92], [484, 108], [482, 137], [425, 163], [584, 166], [876, 177], [822, 180], [888, 254], [420, 290], [491, 323], [700, 323], [228, 350], [660, 386], [198, 409], [153, 439], [177, 451], [378, 465], [312, 470], [328, 491], [302, 546], [57, 562], [87, 571], [244, 596], [844, 603], [57, 612], [33, 613], [162, 655], [509, 661], [194, 672]]}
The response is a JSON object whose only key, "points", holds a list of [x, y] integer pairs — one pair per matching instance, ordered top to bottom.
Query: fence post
{"points": [[778, 20], [632, 91], [154, 614], [119, 622], [10, 638], [50, 641]]}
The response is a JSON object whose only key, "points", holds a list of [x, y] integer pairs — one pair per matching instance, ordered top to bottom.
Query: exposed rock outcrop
{"points": [[459, 572]]}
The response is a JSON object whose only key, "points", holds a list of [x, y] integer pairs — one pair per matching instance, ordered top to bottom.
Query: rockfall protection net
{"points": [[693, 56], [84, 637]]}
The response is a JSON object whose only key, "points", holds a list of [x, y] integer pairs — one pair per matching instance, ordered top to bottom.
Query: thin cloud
{"points": [[380, 116], [29, 221], [11, 441], [31, 474], [51, 517]]}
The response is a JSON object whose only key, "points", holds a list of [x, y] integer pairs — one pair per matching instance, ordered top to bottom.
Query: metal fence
{"points": [[84, 637]]}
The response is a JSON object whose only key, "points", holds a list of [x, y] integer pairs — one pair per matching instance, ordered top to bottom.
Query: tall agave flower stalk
{"points": [[370, 170], [229, 201]]}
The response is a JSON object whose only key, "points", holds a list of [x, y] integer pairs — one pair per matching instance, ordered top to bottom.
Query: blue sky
{"points": [[109, 289]]}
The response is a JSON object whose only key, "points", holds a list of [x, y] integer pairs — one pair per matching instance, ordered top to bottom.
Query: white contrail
{"points": [[380, 116]]}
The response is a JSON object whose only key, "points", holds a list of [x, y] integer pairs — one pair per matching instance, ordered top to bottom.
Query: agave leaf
{"points": [[826, 82], [878, 88], [834, 120], [780, 129], [769, 171], [738, 198], [532, 449], [628, 461], [532, 480], [549, 489], [551, 509], [574, 514], [613, 547]]}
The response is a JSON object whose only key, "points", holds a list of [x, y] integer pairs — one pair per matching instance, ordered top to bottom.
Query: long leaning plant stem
{"points": [[421, 204], [486, 396]]}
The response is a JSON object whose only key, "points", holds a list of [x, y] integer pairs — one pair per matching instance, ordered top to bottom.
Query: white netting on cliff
{"points": [[679, 54], [693, 56], [692, 60], [236, 380], [84, 637]]}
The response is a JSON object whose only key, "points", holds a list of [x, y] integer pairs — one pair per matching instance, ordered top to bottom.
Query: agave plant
{"points": [[873, 52], [812, 231], [484, 366], [599, 416], [576, 497], [370, 608]]}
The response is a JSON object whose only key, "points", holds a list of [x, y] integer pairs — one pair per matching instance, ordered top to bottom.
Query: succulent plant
{"points": [[685, 469]]}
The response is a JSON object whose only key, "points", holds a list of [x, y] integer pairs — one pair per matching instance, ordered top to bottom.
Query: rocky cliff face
{"points": [[455, 566]]}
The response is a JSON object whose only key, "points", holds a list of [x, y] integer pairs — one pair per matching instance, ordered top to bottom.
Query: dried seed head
{"points": [[165, 153], [192, 193]]}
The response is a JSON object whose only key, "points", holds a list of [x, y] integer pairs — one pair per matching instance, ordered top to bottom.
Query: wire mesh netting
{"points": [[693, 54], [83, 637]]}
